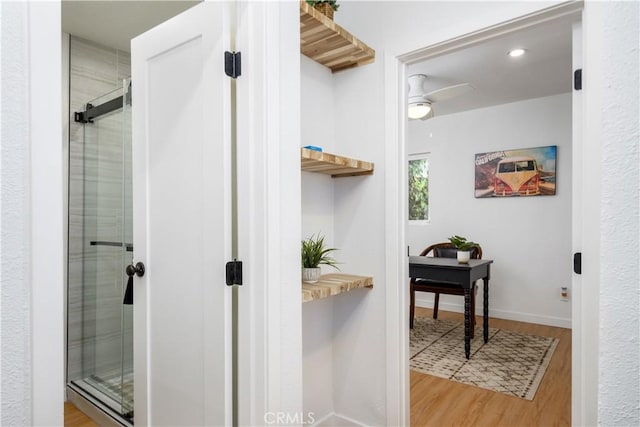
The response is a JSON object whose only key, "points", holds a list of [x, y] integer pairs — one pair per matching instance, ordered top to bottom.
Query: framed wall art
{"points": [[523, 172]]}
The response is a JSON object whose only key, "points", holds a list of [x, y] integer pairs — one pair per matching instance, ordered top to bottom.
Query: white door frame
{"points": [[396, 207], [45, 212], [269, 220]]}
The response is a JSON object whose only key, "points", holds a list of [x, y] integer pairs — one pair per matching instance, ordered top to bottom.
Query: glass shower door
{"points": [[127, 220], [100, 350]]}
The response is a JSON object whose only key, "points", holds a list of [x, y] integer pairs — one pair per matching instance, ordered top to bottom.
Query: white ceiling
{"points": [[115, 23], [544, 70]]}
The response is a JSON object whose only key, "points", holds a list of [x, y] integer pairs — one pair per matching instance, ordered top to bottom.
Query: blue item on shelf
{"points": [[313, 147]]}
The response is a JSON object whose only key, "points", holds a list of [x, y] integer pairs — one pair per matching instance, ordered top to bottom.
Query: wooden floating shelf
{"points": [[329, 44], [332, 164], [334, 284]]}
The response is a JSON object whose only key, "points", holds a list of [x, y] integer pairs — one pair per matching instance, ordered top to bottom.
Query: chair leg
{"points": [[436, 301], [412, 306]]}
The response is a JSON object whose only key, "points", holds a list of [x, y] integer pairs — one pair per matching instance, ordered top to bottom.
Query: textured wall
{"points": [[15, 246], [31, 313], [619, 384]]}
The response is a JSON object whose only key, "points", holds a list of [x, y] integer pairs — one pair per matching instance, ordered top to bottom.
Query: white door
{"points": [[181, 220]]}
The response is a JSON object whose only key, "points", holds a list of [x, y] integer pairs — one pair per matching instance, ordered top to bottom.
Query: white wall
{"points": [[400, 27], [391, 28], [317, 128], [31, 204], [317, 217], [528, 238], [335, 345], [359, 379], [619, 387]]}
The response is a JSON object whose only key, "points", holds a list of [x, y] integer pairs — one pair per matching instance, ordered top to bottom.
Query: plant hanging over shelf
{"points": [[333, 3]]}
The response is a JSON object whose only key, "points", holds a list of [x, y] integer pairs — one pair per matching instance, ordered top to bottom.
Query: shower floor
{"points": [[111, 389]]}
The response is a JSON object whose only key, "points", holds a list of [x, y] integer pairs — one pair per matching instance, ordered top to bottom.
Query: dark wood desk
{"points": [[449, 270]]}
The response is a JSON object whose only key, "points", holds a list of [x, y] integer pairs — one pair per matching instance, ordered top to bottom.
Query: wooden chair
{"points": [[444, 250]]}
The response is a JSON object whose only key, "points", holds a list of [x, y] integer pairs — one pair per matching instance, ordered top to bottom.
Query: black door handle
{"points": [[132, 270], [137, 270]]}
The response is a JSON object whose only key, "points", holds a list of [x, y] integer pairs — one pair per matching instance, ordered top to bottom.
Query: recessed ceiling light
{"points": [[516, 53]]}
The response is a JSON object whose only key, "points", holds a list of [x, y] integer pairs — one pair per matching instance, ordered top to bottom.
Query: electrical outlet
{"points": [[564, 293]]}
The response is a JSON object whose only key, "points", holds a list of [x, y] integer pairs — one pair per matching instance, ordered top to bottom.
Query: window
{"points": [[526, 165], [516, 166], [418, 168]]}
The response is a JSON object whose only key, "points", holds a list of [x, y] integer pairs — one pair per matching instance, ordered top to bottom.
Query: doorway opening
{"points": [[98, 97], [463, 126]]}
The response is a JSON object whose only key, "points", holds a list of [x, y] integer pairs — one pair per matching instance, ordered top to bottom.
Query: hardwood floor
{"points": [[438, 402], [74, 418]]}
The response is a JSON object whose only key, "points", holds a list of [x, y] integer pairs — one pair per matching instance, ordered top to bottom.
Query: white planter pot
{"points": [[464, 257], [310, 275]]}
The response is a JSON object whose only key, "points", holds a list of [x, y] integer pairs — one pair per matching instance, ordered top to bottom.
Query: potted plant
{"points": [[326, 7], [464, 248], [314, 253]]}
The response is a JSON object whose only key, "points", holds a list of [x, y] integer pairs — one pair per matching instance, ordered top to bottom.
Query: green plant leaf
{"points": [[333, 3], [418, 189], [462, 244], [314, 253]]}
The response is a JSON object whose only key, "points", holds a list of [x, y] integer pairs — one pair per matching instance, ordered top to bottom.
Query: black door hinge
{"points": [[232, 64], [577, 79], [577, 263], [234, 272]]}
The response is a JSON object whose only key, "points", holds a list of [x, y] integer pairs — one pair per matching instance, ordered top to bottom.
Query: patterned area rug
{"points": [[510, 363]]}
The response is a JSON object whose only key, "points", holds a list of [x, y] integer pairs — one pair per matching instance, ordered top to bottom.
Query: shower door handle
{"points": [[132, 270], [135, 270]]}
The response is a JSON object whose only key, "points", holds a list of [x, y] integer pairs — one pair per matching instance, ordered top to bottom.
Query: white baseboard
{"points": [[501, 314], [336, 420]]}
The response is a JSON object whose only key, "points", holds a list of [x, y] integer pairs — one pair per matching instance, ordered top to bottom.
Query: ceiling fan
{"points": [[421, 102]]}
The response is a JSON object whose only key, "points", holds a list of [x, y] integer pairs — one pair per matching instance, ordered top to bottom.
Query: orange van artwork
{"points": [[520, 172]]}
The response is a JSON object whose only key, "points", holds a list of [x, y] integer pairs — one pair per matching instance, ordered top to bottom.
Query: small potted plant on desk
{"points": [[464, 248], [314, 253]]}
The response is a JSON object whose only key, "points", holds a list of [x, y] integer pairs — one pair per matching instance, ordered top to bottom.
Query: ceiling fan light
{"points": [[418, 110]]}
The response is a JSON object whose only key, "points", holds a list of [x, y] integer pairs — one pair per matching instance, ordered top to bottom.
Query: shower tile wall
{"points": [[94, 305]]}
